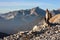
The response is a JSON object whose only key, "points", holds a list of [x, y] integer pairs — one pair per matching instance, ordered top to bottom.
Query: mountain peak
{"points": [[36, 7], [36, 11]]}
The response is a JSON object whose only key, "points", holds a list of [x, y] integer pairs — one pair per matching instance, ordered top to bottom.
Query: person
{"points": [[47, 17]]}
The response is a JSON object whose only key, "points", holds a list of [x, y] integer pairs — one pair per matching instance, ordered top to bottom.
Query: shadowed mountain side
{"points": [[54, 12], [3, 35]]}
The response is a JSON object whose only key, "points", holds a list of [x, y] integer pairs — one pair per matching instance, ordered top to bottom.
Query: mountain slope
{"points": [[55, 11], [20, 20]]}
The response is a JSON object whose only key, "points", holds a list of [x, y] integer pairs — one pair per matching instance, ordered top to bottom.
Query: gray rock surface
{"points": [[47, 33]]}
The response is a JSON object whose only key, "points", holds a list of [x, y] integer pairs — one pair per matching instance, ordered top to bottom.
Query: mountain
{"points": [[55, 11], [20, 20]]}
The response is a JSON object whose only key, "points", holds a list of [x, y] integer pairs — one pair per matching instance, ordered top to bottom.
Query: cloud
{"points": [[24, 4], [10, 6]]}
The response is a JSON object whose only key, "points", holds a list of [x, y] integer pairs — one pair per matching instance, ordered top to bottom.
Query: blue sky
{"points": [[11, 5]]}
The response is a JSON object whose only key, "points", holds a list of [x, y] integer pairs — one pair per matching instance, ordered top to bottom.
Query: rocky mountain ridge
{"points": [[34, 11], [20, 20]]}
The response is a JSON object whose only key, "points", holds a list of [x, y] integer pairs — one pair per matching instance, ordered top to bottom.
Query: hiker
{"points": [[47, 17]]}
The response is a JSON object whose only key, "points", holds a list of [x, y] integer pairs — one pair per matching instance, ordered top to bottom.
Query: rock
{"points": [[55, 19], [37, 33]]}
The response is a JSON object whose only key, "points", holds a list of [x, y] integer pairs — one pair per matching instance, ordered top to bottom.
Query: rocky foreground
{"points": [[38, 33]]}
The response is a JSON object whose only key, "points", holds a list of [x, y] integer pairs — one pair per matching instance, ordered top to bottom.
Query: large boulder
{"points": [[55, 19]]}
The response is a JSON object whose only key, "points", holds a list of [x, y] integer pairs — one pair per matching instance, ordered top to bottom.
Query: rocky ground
{"points": [[40, 33]]}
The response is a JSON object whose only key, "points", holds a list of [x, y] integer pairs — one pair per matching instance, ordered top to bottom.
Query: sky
{"points": [[12, 5]]}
